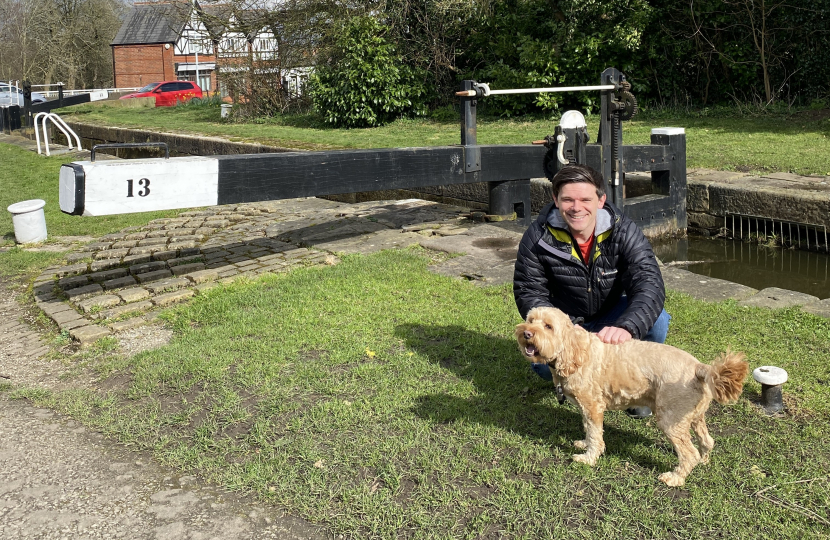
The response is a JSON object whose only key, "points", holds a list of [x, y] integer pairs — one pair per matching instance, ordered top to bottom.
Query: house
{"points": [[170, 41]]}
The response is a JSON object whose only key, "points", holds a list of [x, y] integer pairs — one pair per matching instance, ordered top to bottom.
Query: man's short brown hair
{"points": [[570, 174]]}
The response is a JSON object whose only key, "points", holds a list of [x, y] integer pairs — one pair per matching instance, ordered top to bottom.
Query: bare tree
{"points": [[742, 34], [50, 40]]}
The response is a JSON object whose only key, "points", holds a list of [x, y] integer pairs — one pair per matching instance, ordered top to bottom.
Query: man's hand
{"points": [[613, 335]]}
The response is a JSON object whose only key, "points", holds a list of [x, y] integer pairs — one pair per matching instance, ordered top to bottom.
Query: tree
{"points": [[59, 40], [538, 43], [741, 49], [366, 82]]}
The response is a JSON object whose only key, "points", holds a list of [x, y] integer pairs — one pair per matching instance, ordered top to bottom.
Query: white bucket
{"points": [[225, 110], [29, 221]]}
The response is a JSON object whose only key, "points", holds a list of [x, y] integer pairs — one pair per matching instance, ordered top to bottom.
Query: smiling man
{"points": [[585, 257]]}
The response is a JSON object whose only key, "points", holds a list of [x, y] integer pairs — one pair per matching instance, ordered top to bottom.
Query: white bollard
{"points": [[225, 110], [29, 221], [772, 379]]}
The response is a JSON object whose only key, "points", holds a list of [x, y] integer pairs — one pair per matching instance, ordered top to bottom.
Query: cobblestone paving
{"points": [[116, 282]]}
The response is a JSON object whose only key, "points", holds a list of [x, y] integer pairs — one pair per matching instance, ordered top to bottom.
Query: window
{"points": [[204, 79], [169, 87]]}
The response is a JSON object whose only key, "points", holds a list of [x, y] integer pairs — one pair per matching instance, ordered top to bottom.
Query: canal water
{"points": [[750, 264]]}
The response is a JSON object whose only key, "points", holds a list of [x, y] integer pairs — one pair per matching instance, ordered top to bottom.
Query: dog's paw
{"points": [[581, 445], [585, 458], [704, 459], [672, 479]]}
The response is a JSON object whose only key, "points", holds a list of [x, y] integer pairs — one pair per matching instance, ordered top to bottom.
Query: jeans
{"points": [[656, 333]]}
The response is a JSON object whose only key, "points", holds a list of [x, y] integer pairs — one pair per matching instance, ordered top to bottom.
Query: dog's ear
{"points": [[576, 344]]}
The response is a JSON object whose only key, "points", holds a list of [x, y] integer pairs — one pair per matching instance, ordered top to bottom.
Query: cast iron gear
{"points": [[628, 105]]}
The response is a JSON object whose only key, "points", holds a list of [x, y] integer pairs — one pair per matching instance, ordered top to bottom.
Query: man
{"points": [[584, 257]]}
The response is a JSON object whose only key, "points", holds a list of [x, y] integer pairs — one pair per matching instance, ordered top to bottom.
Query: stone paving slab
{"points": [[370, 243], [153, 276], [202, 276], [120, 283], [165, 285], [704, 288], [84, 292], [134, 294], [172, 297], [775, 298], [99, 302], [820, 308], [124, 309], [63, 317], [127, 324], [87, 335]]}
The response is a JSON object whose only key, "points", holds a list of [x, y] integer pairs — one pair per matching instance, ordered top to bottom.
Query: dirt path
{"points": [[61, 480]]}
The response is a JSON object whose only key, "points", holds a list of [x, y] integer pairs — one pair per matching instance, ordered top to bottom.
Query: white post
{"points": [[196, 48]]}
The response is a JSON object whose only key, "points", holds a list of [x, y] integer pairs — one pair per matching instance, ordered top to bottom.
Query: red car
{"points": [[168, 93]]}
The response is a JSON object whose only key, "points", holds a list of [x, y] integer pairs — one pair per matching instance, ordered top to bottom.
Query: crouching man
{"points": [[584, 257]]}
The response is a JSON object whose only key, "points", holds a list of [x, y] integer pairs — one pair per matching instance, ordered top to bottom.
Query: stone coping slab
{"points": [[779, 196], [704, 288], [775, 298], [820, 308]]}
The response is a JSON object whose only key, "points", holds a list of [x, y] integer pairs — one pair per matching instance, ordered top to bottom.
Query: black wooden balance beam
{"points": [[95, 188]]}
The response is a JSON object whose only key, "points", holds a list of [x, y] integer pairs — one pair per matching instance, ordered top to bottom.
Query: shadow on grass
{"points": [[508, 394]]}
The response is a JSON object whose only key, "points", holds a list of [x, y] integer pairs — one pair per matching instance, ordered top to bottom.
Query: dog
{"points": [[598, 377]]}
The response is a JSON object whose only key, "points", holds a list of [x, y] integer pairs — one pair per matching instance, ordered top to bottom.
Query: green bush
{"points": [[365, 81]]}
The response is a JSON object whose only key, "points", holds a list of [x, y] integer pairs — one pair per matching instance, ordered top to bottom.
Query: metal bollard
{"points": [[772, 379]]}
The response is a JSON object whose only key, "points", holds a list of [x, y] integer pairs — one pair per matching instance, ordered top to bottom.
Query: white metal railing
{"points": [[54, 93], [16, 100], [58, 121]]}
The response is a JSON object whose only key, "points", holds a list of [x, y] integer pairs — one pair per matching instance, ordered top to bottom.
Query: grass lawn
{"points": [[797, 142], [385, 401]]}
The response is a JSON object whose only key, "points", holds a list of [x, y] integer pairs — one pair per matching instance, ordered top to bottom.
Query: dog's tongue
{"points": [[530, 350]]}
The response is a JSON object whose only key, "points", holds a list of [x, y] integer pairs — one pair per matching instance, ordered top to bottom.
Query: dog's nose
{"points": [[528, 334]]}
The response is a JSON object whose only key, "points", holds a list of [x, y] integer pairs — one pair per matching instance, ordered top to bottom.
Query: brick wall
{"points": [[137, 65]]}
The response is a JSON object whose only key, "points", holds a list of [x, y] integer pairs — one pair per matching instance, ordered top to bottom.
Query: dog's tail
{"points": [[725, 377]]}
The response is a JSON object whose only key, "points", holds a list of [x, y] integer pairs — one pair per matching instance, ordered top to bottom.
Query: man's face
{"points": [[578, 203]]}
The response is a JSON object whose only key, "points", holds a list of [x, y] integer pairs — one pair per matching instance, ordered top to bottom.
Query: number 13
{"points": [[144, 183]]}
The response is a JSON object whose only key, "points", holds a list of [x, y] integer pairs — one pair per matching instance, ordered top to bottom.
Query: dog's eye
{"points": [[549, 327]]}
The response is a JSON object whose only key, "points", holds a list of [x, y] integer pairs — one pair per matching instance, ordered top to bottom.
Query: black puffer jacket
{"points": [[549, 271]]}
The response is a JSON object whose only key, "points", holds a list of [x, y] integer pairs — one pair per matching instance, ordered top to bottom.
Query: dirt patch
{"points": [[313, 354], [119, 382], [675, 494]]}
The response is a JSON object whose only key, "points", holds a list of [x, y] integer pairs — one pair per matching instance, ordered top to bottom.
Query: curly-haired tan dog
{"points": [[599, 377]]}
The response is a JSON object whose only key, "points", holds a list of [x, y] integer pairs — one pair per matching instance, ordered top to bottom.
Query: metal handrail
{"points": [[63, 126]]}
